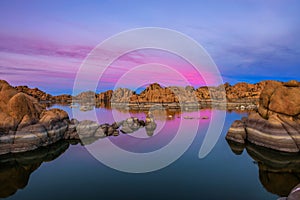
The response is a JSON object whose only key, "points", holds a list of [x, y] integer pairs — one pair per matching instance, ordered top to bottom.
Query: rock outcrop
{"points": [[244, 91], [35, 92], [157, 94], [241, 94], [104, 96], [25, 124], [276, 124], [89, 131]]}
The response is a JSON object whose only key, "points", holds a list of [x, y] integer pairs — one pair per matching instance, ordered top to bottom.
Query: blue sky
{"points": [[42, 43]]}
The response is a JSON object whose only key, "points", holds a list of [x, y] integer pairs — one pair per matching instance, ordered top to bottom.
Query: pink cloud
{"points": [[24, 61]]}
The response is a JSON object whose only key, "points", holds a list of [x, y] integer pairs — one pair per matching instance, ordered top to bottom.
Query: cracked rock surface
{"points": [[25, 124], [276, 124]]}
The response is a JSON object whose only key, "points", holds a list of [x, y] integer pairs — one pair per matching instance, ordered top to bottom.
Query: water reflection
{"points": [[15, 169], [279, 172]]}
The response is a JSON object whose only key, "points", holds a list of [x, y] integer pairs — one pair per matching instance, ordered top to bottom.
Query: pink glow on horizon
{"points": [[144, 57], [51, 65]]}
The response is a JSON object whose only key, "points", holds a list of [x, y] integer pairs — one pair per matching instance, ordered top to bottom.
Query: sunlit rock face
{"points": [[35, 92], [155, 93], [234, 97], [25, 124], [276, 124]]}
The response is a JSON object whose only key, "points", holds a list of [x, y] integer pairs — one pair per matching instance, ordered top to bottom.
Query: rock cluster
{"points": [[244, 90], [35, 92], [155, 93], [105, 96], [25, 124], [133, 124], [276, 125], [88, 131], [14, 177]]}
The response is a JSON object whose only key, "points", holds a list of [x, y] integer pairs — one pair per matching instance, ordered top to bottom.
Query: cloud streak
{"points": [[46, 42]]}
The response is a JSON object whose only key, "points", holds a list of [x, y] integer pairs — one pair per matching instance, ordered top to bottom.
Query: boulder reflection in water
{"points": [[15, 169], [279, 172]]}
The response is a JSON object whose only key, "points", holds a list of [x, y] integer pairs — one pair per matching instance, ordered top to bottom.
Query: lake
{"points": [[65, 171]]}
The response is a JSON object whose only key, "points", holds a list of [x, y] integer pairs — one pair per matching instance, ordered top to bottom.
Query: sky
{"points": [[44, 43]]}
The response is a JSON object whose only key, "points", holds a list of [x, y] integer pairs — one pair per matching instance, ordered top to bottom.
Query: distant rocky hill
{"points": [[155, 93]]}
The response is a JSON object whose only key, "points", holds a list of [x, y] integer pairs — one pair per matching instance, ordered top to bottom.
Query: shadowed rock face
{"points": [[25, 124], [276, 125], [15, 169], [279, 172]]}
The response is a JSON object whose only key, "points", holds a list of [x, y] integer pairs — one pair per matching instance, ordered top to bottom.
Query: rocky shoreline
{"points": [[239, 96], [238, 105], [276, 124], [26, 125], [88, 131]]}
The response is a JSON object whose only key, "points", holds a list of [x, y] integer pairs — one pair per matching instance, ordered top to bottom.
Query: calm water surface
{"points": [[76, 174]]}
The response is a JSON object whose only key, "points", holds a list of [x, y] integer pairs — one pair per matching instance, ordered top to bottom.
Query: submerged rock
{"points": [[131, 125]]}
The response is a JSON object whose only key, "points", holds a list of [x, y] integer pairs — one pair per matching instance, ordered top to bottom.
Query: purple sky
{"points": [[43, 43]]}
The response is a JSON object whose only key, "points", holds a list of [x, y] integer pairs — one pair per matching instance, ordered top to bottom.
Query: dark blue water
{"points": [[76, 174]]}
